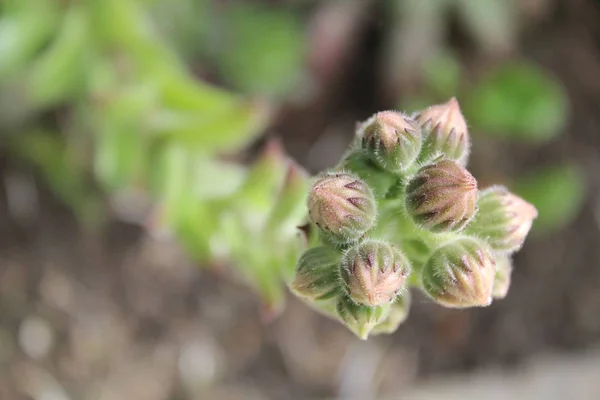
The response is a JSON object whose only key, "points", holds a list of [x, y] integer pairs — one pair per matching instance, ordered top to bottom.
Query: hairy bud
{"points": [[445, 132], [391, 139], [442, 196], [342, 205], [504, 219], [374, 272], [317, 274], [460, 274], [503, 274], [398, 314], [359, 318]]}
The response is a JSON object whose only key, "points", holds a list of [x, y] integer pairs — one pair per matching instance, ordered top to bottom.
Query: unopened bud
{"points": [[445, 132], [392, 140], [442, 196], [342, 205], [503, 220], [374, 272], [317, 274], [460, 274], [503, 275], [398, 313], [360, 319]]}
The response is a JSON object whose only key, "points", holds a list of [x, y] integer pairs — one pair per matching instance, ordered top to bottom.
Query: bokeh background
{"points": [[126, 126]]}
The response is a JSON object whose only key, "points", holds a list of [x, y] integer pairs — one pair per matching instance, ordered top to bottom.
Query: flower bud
{"points": [[445, 132], [392, 140], [442, 196], [342, 205], [504, 219], [374, 272], [317, 274], [460, 274], [503, 274], [398, 314], [360, 319]]}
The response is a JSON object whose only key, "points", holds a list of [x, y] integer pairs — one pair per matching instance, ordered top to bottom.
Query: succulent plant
{"points": [[401, 211]]}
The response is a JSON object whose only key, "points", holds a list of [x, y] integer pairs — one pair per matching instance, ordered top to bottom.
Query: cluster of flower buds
{"points": [[401, 211]]}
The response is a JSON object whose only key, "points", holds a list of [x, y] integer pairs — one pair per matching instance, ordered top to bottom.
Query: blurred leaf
{"points": [[493, 23], [23, 32], [263, 52], [58, 72], [442, 74], [518, 101], [227, 130], [120, 155], [54, 162], [215, 179], [557, 192], [290, 207]]}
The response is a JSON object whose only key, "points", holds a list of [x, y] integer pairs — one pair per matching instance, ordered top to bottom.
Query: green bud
{"points": [[445, 132], [392, 140], [442, 196], [342, 205], [504, 219], [374, 272], [317, 274], [460, 274], [502, 278], [398, 313], [360, 319]]}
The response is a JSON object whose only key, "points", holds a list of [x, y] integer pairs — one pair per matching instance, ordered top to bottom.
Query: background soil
{"points": [[124, 312]]}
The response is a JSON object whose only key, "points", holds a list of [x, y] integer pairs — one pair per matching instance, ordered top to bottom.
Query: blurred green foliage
{"points": [[514, 101], [518, 101], [112, 109], [558, 192]]}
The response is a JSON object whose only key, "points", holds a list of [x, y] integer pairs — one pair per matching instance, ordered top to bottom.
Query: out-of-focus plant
{"points": [[253, 47], [111, 111], [400, 210]]}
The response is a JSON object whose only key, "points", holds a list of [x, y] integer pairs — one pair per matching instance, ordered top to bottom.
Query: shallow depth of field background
{"points": [[98, 301]]}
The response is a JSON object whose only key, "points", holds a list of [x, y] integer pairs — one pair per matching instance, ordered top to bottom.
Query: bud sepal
{"points": [[445, 132], [391, 139], [442, 196], [342, 206], [503, 220], [374, 272], [317, 274], [460, 274], [503, 276], [359, 318]]}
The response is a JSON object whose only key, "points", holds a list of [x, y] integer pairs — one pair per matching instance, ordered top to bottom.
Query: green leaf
{"points": [[22, 33], [263, 49], [59, 71], [442, 74], [518, 101], [227, 130], [120, 155], [558, 192]]}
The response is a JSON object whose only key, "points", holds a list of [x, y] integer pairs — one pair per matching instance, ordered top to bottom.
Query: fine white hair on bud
{"points": [[445, 132], [391, 139], [442, 196], [342, 205], [503, 220], [374, 272], [460, 274]]}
